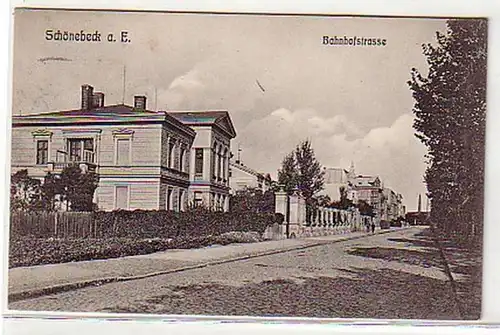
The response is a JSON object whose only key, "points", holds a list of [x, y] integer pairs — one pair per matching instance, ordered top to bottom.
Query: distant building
{"points": [[144, 159], [243, 177], [337, 178], [369, 189], [391, 205], [417, 218]]}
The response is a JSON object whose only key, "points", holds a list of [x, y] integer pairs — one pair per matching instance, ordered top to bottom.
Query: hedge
{"points": [[148, 224], [168, 224], [29, 250]]}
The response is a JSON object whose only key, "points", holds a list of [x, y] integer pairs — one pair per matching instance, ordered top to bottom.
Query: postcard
{"points": [[247, 165]]}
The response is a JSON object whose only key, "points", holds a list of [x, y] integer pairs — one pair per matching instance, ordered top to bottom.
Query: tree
{"points": [[450, 113], [300, 170], [287, 175], [310, 175], [51, 187], [78, 188], [25, 192], [252, 200], [323, 200], [344, 202], [365, 208]]}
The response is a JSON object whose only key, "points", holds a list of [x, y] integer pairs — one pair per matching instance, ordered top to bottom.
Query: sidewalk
{"points": [[464, 262], [39, 280]]}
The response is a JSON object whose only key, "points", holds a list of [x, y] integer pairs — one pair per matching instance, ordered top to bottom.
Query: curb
{"points": [[35, 293]]}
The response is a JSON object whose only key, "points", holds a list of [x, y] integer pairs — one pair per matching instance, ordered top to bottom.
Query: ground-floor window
{"points": [[121, 197], [198, 198], [182, 199], [169, 201], [222, 202]]}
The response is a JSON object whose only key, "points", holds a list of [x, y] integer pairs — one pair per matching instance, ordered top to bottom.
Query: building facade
{"points": [[210, 152], [144, 159], [243, 177], [369, 189]]}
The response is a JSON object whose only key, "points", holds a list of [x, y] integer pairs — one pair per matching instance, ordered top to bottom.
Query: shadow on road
{"points": [[419, 250], [413, 257], [363, 293]]}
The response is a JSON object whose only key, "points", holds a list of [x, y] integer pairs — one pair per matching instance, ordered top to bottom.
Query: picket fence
{"points": [[57, 225]]}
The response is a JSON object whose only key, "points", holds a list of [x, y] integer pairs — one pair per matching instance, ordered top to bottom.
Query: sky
{"points": [[279, 82]]}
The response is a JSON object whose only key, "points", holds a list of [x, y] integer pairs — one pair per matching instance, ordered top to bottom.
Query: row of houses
{"points": [[144, 159], [160, 160], [387, 204]]}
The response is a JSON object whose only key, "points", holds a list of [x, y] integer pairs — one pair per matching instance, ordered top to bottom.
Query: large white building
{"points": [[144, 159]]}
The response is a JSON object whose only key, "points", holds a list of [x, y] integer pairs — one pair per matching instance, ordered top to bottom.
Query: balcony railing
{"points": [[88, 156], [57, 167]]}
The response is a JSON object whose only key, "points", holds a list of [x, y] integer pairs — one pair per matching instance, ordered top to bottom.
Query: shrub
{"points": [[168, 224], [29, 251]]}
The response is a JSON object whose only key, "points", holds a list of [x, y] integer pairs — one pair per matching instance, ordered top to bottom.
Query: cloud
{"points": [[188, 81]]}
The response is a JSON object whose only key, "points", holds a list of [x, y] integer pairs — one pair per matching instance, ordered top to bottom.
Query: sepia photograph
{"points": [[247, 165]]}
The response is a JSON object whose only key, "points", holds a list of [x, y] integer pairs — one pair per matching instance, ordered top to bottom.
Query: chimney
{"points": [[87, 96], [98, 100], [140, 102]]}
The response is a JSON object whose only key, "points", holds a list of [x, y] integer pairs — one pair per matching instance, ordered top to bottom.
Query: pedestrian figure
{"points": [[373, 227]]}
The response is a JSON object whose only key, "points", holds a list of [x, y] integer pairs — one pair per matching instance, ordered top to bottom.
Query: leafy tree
{"points": [[450, 112], [300, 170], [287, 175], [310, 175], [51, 187], [78, 188], [25, 192], [252, 200], [323, 200], [344, 202], [365, 208]]}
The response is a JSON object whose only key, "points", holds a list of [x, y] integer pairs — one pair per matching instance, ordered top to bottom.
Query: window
{"points": [[75, 150], [81, 150], [42, 151], [123, 151], [171, 154], [181, 160], [213, 162], [198, 163], [219, 164], [224, 165], [121, 197], [169, 199], [198, 199], [181, 200]]}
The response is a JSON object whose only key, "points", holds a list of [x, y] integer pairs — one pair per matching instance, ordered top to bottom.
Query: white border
{"points": [[491, 281]]}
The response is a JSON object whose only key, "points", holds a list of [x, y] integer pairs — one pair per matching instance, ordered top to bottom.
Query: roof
{"points": [[118, 109], [112, 114], [220, 119], [246, 169], [366, 181]]}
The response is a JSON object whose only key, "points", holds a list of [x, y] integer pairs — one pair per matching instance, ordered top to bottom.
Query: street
{"points": [[395, 275]]}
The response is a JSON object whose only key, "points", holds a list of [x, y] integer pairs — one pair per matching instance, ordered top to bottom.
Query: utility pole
{"points": [[124, 81], [156, 99], [238, 161]]}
